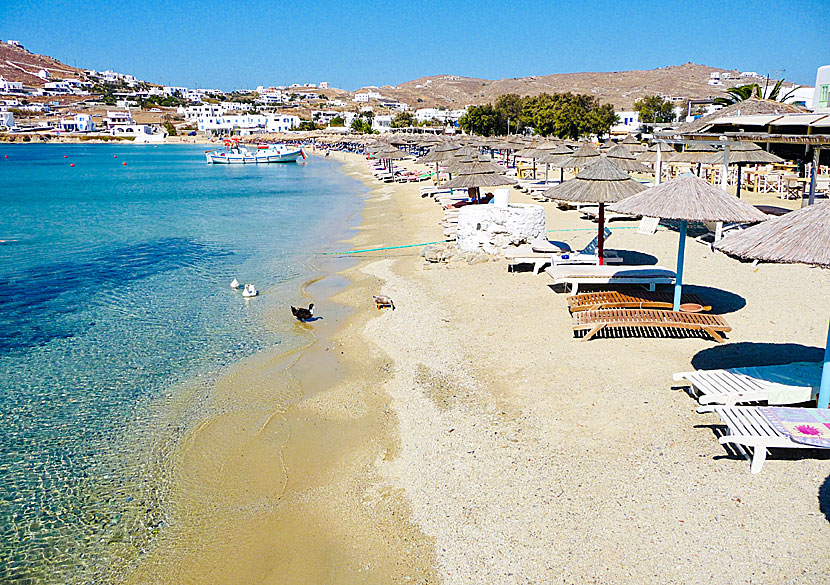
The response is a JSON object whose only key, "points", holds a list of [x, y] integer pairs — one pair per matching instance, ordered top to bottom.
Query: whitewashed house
{"points": [[324, 85], [10, 86], [821, 94], [193, 113], [323, 116], [118, 118], [6, 119], [77, 123], [281, 123], [629, 123], [234, 124], [382, 124]]}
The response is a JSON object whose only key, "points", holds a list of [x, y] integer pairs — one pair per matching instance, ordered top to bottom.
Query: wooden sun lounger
{"points": [[574, 275], [612, 299], [595, 321], [749, 428]]}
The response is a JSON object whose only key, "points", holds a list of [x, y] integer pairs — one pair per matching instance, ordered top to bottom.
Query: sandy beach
{"points": [[468, 437]]}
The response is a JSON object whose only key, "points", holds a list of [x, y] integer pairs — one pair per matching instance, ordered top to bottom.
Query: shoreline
{"points": [[295, 461]]}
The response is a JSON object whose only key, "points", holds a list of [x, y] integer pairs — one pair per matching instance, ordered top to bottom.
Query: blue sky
{"points": [[351, 44]]}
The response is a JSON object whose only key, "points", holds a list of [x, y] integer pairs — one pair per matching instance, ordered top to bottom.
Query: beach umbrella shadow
{"points": [[632, 257], [721, 301], [746, 354], [824, 498]]}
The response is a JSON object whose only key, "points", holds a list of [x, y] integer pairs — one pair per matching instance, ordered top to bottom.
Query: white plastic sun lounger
{"points": [[574, 275], [784, 384], [749, 428]]}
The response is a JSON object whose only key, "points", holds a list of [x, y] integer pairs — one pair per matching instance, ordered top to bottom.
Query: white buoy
{"points": [[235, 284], [250, 291]]}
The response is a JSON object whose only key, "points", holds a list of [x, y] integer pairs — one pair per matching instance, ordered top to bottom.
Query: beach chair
{"points": [[648, 226], [587, 255], [574, 275], [612, 299], [635, 320], [781, 384], [749, 427]]}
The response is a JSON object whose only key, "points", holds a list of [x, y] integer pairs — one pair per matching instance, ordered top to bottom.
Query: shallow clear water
{"points": [[113, 294]]}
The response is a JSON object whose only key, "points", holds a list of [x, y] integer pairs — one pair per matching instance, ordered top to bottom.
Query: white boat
{"points": [[234, 154], [250, 291]]}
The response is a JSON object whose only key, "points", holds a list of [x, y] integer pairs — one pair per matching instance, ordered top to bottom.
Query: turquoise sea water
{"points": [[113, 294]]}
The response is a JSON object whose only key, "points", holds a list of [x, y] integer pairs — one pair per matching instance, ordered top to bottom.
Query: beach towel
{"points": [[799, 381], [808, 426]]}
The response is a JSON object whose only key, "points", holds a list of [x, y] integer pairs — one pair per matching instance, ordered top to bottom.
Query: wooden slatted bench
{"points": [[575, 275], [613, 299], [595, 321]]}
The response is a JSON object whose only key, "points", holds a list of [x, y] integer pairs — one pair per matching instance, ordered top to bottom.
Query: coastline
{"points": [[466, 437], [287, 492]]}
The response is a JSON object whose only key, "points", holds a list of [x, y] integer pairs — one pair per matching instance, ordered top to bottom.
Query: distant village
{"points": [[108, 103]]}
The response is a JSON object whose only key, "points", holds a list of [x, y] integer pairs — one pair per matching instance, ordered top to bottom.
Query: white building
{"points": [[15, 44], [43, 74], [324, 85], [10, 86], [821, 94], [365, 96], [235, 106], [401, 107], [193, 113], [324, 116], [444, 116], [118, 118], [6, 119], [77, 123], [281, 123], [382, 123], [629, 123], [234, 124]]}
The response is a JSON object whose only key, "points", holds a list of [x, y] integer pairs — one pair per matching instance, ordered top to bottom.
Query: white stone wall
{"points": [[492, 229]]}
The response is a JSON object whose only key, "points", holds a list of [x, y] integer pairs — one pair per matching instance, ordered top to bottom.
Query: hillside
{"points": [[18, 64], [620, 88]]}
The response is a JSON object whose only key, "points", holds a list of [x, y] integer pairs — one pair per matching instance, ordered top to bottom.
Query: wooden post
{"points": [[658, 166], [814, 174], [724, 180], [738, 189], [601, 235], [678, 282], [824, 386]]}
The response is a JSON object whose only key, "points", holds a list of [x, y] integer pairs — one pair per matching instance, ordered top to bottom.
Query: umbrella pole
{"points": [[534, 169], [546, 173], [437, 174], [561, 175], [738, 189], [601, 235], [681, 252], [824, 386]]}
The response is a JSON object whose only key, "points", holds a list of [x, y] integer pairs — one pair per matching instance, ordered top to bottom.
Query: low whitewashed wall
{"points": [[491, 228]]}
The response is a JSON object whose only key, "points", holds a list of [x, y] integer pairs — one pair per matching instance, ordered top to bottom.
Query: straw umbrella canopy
{"points": [[633, 145], [439, 153], [695, 153], [744, 153], [586, 155], [650, 155], [557, 158], [625, 160], [473, 175], [602, 182], [688, 198], [801, 236]]}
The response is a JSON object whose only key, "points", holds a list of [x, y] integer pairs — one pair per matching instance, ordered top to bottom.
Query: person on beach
{"points": [[481, 201]]}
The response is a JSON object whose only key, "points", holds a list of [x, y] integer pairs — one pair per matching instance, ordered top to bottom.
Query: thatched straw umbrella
{"points": [[633, 145], [695, 153], [743, 153], [388, 154], [437, 154], [583, 157], [557, 158], [625, 160], [473, 175], [602, 182], [688, 198], [801, 236]]}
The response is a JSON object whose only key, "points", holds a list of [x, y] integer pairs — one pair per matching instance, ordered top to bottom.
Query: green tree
{"points": [[753, 90], [510, 106], [654, 110], [403, 120], [481, 120], [337, 121], [306, 125], [362, 126]]}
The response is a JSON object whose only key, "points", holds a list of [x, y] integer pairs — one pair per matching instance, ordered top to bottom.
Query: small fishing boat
{"points": [[234, 154]]}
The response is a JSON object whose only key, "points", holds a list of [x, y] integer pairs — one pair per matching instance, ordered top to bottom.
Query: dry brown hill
{"points": [[18, 64], [620, 88]]}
